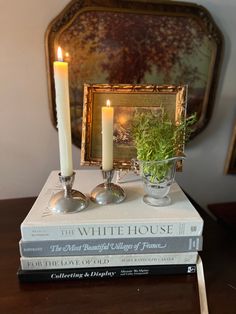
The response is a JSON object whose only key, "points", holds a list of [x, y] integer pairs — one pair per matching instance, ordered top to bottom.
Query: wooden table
{"points": [[157, 294]]}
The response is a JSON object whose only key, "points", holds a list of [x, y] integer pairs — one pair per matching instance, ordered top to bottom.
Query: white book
{"points": [[131, 218], [61, 262]]}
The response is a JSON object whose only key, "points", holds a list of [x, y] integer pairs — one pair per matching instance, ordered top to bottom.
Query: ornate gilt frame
{"points": [[68, 27], [125, 99]]}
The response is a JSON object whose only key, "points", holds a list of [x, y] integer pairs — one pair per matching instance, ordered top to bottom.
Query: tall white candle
{"points": [[63, 114], [107, 136]]}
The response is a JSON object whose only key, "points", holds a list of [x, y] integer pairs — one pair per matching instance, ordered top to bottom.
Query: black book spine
{"points": [[108, 272]]}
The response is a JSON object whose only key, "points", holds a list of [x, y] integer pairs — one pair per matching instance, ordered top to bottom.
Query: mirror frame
{"points": [[77, 8]]}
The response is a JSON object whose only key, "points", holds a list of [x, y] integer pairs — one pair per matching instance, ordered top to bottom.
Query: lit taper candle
{"points": [[63, 114], [107, 136]]}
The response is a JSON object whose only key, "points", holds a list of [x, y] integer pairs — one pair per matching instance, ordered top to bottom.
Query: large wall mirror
{"points": [[124, 42]]}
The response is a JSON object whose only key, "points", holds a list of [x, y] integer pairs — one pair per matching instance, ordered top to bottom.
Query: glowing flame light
{"points": [[59, 54], [108, 103]]}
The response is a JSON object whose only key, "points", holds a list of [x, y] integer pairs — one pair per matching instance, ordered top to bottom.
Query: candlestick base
{"points": [[107, 192], [68, 201]]}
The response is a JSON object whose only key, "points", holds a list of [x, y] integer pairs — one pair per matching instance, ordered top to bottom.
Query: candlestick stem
{"points": [[107, 177]]}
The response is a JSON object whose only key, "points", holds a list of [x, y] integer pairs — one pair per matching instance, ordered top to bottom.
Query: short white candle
{"points": [[63, 114], [107, 136]]}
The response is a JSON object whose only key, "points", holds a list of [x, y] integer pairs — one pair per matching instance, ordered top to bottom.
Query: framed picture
{"points": [[136, 42], [126, 101], [230, 165]]}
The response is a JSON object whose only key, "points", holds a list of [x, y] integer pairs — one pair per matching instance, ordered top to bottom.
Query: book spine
{"points": [[108, 231], [110, 247], [61, 262], [107, 272]]}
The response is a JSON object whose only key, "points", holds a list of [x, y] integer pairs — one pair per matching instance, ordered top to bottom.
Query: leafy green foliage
{"points": [[157, 138]]}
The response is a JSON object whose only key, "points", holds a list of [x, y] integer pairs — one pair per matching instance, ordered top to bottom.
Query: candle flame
{"points": [[59, 54], [108, 103]]}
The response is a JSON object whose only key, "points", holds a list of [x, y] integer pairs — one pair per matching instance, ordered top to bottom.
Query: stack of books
{"points": [[115, 240]]}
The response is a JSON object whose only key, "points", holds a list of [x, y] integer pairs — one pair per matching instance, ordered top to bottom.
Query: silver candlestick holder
{"points": [[107, 192], [68, 200]]}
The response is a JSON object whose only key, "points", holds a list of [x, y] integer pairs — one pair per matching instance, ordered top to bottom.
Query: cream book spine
{"points": [[91, 231], [34, 263]]}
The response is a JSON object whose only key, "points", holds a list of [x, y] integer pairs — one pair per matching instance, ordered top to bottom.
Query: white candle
{"points": [[63, 114], [107, 136]]}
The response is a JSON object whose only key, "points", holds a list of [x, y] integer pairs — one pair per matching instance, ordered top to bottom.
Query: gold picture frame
{"points": [[125, 99], [230, 164]]}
